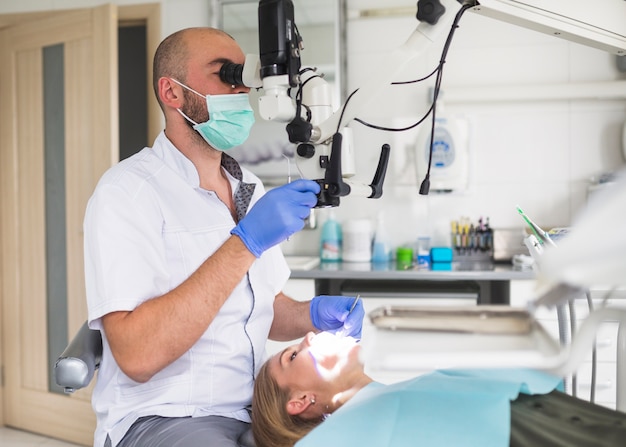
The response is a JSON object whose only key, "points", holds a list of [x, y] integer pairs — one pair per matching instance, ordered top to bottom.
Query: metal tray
{"points": [[480, 319]]}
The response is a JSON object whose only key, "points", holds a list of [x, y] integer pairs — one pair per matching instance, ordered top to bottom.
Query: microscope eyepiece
{"points": [[231, 73]]}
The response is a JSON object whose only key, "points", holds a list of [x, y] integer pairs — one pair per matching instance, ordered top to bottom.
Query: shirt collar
{"points": [[175, 159]]}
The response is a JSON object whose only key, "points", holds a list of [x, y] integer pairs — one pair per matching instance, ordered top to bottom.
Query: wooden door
{"points": [[58, 133]]}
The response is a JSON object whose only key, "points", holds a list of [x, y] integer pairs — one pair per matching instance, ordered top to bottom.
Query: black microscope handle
{"points": [[381, 171], [334, 175]]}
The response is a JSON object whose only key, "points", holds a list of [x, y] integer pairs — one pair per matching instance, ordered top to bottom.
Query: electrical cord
{"points": [[438, 70], [417, 80], [298, 97], [343, 109], [400, 129], [425, 186]]}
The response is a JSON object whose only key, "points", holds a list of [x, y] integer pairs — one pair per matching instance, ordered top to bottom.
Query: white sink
{"points": [[302, 262]]}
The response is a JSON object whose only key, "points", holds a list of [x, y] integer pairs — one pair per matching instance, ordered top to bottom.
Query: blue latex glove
{"points": [[277, 215], [332, 313]]}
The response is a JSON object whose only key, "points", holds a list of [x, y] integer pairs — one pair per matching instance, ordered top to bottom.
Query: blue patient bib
{"points": [[444, 408]]}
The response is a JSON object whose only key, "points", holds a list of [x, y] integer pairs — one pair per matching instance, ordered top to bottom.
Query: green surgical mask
{"points": [[230, 119]]}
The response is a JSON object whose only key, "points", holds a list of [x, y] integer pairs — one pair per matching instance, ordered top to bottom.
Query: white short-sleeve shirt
{"points": [[148, 227]]}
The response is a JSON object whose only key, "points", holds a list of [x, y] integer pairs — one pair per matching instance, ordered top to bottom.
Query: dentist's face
{"points": [[208, 50]]}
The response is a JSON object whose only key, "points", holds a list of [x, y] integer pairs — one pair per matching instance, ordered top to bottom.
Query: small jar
{"points": [[357, 240], [404, 258]]}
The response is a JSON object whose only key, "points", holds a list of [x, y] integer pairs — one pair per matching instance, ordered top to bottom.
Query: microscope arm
{"points": [[417, 43]]}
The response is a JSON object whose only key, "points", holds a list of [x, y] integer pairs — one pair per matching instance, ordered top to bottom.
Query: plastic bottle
{"points": [[331, 240], [357, 240], [381, 251], [423, 253]]}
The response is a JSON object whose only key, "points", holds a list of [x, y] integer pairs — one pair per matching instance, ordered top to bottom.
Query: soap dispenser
{"points": [[449, 169]]}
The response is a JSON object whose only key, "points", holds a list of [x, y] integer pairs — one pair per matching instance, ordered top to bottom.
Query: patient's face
{"points": [[317, 363]]}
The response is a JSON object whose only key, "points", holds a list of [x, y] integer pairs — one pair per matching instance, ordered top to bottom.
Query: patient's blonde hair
{"points": [[272, 426]]}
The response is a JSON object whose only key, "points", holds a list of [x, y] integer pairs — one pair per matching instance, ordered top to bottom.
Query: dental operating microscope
{"points": [[324, 150], [323, 154]]}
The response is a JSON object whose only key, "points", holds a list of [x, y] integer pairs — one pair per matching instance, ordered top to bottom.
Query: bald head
{"points": [[171, 58]]}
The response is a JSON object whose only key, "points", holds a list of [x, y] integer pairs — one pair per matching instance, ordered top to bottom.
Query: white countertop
{"points": [[309, 267]]}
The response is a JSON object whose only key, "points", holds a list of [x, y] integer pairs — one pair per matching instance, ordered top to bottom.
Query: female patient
{"points": [[301, 387]]}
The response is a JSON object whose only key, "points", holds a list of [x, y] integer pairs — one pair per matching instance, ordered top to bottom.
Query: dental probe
{"points": [[356, 300], [342, 332]]}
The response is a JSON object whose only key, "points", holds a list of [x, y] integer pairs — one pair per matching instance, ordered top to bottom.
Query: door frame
{"points": [[148, 14]]}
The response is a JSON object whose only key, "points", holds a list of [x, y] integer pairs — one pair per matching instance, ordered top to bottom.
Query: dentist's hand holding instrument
{"points": [[342, 315]]}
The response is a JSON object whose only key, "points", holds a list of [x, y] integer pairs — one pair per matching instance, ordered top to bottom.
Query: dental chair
{"points": [[76, 366]]}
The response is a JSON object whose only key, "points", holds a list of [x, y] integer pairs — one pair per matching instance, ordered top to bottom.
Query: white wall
{"points": [[538, 154]]}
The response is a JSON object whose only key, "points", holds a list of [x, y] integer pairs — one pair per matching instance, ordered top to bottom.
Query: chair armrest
{"points": [[76, 366]]}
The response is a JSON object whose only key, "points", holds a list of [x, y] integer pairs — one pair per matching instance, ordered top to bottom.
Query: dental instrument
{"points": [[541, 234], [354, 303], [343, 331]]}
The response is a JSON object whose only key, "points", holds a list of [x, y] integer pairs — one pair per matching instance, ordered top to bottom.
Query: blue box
{"points": [[441, 254], [441, 266]]}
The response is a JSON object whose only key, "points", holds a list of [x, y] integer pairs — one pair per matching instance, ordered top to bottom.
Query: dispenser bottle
{"points": [[449, 168], [331, 240], [357, 240], [381, 250]]}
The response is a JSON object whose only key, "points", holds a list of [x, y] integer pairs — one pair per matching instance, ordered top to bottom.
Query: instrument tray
{"points": [[482, 319]]}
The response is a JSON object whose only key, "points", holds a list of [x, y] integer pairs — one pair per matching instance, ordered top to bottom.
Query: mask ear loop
{"points": [[188, 88], [186, 117]]}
